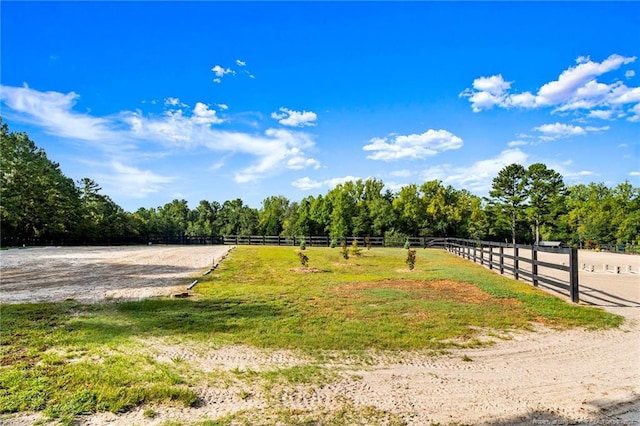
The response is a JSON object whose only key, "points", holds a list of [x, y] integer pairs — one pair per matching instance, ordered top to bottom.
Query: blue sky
{"points": [[225, 100]]}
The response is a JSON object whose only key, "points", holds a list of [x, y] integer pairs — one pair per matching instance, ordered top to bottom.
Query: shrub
{"points": [[367, 241], [303, 244], [333, 244], [407, 244], [590, 245], [355, 249], [344, 251], [304, 259], [411, 259]]}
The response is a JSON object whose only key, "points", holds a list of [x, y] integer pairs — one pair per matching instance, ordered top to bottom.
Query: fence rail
{"points": [[559, 268]]}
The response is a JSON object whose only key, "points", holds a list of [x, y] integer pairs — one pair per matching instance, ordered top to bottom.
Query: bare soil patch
{"points": [[306, 270], [427, 290]]}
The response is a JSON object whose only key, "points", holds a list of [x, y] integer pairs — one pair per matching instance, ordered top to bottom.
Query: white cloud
{"points": [[240, 63], [221, 72], [630, 73], [573, 79], [575, 89], [489, 91], [223, 107], [53, 111], [601, 114], [634, 114], [203, 115], [295, 118], [559, 130], [119, 134], [514, 144], [423, 145], [297, 163], [634, 174], [477, 177], [133, 182], [333, 182], [306, 184]]}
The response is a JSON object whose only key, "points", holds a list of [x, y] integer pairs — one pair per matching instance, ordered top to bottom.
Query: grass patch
{"points": [[68, 359]]}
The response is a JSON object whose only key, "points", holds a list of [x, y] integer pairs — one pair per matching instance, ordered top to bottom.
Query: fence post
{"points": [[481, 254], [491, 257], [501, 260], [516, 263], [534, 265], [573, 280]]}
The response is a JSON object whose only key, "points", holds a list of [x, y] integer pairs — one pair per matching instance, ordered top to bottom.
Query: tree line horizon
{"points": [[525, 205]]}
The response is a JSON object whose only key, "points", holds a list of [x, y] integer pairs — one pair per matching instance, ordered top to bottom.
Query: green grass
{"points": [[68, 359]]}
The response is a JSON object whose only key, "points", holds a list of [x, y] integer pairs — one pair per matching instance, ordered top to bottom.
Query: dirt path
{"points": [[541, 377]]}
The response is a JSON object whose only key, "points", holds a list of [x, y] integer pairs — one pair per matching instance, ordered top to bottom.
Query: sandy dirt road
{"points": [[542, 377]]}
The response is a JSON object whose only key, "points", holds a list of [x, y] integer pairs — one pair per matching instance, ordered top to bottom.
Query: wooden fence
{"points": [[323, 241], [554, 266]]}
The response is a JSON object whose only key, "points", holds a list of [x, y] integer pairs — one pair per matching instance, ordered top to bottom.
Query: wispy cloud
{"points": [[220, 72], [575, 89], [53, 111], [288, 117], [559, 131], [118, 135], [396, 147], [478, 176], [134, 182], [306, 183]]}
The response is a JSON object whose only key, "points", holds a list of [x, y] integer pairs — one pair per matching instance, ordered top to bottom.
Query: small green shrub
{"points": [[367, 241], [303, 244], [333, 244], [407, 244], [355, 249], [344, 251], [304, 259], [411, 259]]}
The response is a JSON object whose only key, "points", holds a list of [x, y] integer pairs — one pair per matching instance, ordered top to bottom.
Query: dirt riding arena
{"points": [[95, 274], [542, 377]]}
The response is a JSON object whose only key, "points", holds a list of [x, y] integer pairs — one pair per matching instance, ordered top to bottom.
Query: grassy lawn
{"points": [[68, 359]]}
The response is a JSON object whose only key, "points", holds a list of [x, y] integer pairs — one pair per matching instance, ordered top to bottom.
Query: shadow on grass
{"points": [[166, 317], [71, 323]]}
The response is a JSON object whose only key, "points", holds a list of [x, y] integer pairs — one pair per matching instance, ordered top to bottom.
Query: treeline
{"points": [[38, 203]]}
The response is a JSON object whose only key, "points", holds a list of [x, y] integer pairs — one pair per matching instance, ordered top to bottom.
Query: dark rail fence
{"points": [[521, 261]]}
